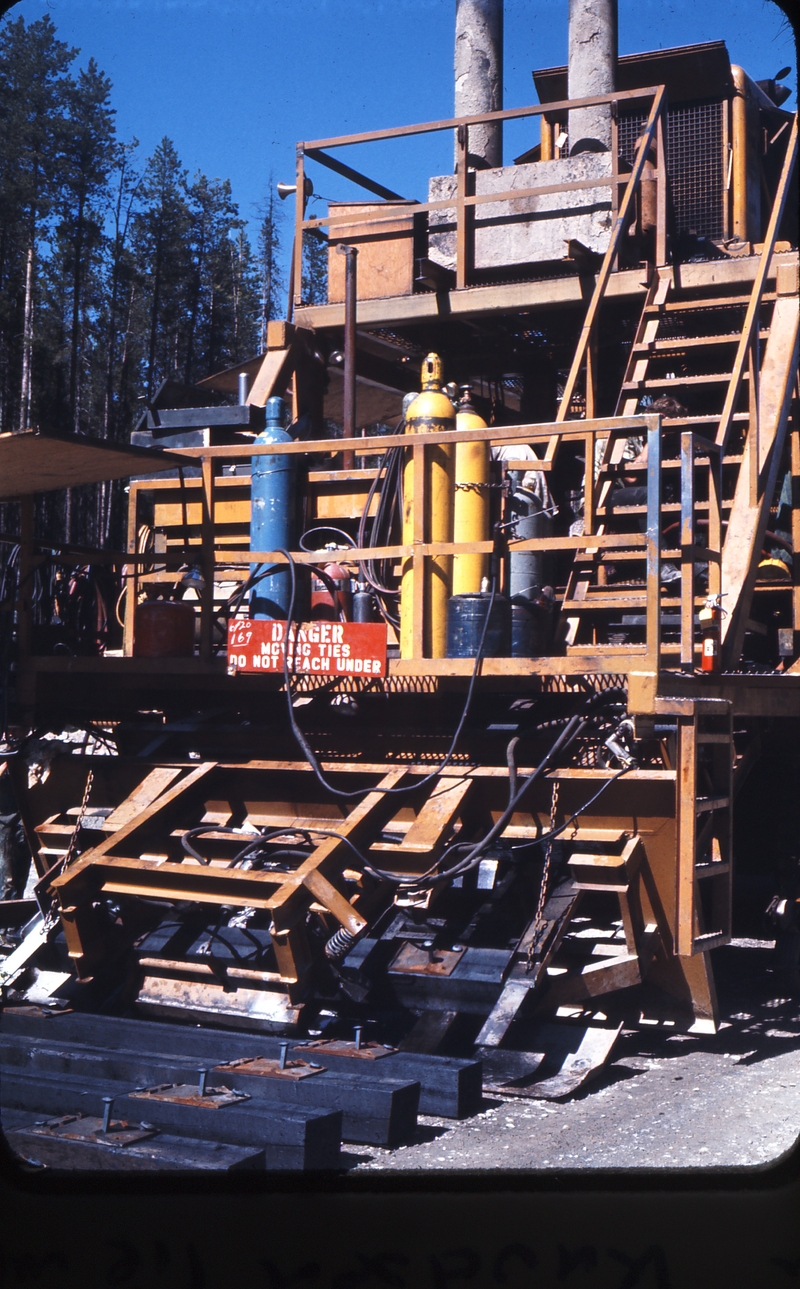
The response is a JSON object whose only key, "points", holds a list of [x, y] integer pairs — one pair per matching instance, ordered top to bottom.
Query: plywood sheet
{"points": [[385, 250], [35, 462]]}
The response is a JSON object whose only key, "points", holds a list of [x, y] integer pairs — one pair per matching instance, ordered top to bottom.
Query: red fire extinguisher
{"points": [[710, 623]]}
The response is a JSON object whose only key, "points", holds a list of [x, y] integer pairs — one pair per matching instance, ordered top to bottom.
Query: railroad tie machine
{"points": [[450, 647]]}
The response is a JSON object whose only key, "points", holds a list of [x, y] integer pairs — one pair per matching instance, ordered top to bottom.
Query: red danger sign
{"points": [[322, 648]]}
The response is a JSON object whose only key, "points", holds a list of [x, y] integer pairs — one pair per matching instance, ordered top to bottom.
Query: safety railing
{"points": [[466, 203], [747, 353], [222, 557]]}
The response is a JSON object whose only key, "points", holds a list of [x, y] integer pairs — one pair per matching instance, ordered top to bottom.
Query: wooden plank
{"points": [[508, 114], [661, 191], [376, 216], [385, 244], [462, 250], [608, 259], [532, 296], [750, 324], [691, 342], [272, 377], [535, 432], [33, 462], [795, 467], [190, 515], [747, 523], [687, 556], [207, 557], [131, 584], [653, 611], [151, 787], [686, 788], [370, 813], [427, 832], [102, 850], [594, 980], [309, 1136]]}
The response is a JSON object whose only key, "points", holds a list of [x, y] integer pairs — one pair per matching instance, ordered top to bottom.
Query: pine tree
{"points": [[34, 88], [87, 163], [163, 255], [315, 269], [272, 281], [211, 308], [119, 396]]}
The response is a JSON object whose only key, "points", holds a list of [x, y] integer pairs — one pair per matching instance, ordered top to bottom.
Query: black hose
{"points": [[303, 743], [254, 843]]}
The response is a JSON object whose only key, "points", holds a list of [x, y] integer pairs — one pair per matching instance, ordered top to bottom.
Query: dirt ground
{"points": [[664, 1100]]}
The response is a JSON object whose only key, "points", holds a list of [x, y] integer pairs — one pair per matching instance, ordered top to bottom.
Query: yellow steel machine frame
{"points": [[662, 837]]}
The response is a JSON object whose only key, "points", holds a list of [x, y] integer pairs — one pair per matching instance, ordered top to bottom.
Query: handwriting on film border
{"points": [[156, 1265]]}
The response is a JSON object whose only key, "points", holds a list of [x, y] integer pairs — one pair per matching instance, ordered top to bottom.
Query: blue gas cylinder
{"points": [[273, 502]]}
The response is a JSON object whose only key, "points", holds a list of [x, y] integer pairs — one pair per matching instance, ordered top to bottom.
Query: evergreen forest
{"points": [[116, 271]]}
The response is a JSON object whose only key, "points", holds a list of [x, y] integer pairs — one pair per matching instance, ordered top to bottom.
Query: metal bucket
{"points": [[466, 615], [163, 629]]}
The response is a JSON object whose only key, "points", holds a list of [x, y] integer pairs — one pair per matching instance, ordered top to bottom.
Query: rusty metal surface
{"points": [[419, 961], [339, 1047], [269, 1069], [189, 1094], [76, 1127]]}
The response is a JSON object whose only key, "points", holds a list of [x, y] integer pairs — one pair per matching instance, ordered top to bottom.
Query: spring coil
{"points": [[340, 944]]}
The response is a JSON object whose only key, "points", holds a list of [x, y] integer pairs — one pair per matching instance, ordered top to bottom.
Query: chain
{"points": [[482, 487], [73, 841], [548, 855], [53, 914]]}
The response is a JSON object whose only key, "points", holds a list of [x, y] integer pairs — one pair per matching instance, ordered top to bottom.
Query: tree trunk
{"points": [[27, 345], [74, 408]]}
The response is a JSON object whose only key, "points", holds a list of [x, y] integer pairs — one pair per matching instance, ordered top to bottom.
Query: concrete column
{"points": [[592, 70], [479, 73]]}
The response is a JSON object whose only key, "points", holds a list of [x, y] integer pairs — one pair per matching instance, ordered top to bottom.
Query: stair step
{"points": [[716, 302], [690, 342], [678, 382], [608, 836], [597, 861]]}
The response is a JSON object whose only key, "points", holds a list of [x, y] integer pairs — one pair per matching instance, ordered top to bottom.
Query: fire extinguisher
{"points": [[331, 598], [710, 623]]}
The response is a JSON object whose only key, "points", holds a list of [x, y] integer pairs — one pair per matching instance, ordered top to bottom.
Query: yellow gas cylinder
{"points": [[431, 411], [471, 502]]}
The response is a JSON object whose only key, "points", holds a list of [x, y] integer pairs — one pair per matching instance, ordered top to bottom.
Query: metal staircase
{"points": [[720, 368]]}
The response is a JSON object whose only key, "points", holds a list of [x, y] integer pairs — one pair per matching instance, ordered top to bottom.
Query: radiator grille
{"points": [[695, 162]]}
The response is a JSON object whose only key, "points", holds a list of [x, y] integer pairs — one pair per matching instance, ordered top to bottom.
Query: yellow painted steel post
{"points": [[739, 147], [430, 411], [471, 501]]}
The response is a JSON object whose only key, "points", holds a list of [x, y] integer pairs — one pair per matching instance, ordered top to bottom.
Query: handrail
{"points": [[481, 118], [461, 200], [389, 211], [610, 255], [749, 329], [536, 432], [221, 562]]}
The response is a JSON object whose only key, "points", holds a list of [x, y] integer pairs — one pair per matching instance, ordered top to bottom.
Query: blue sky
{"points": [[234, 83]]}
